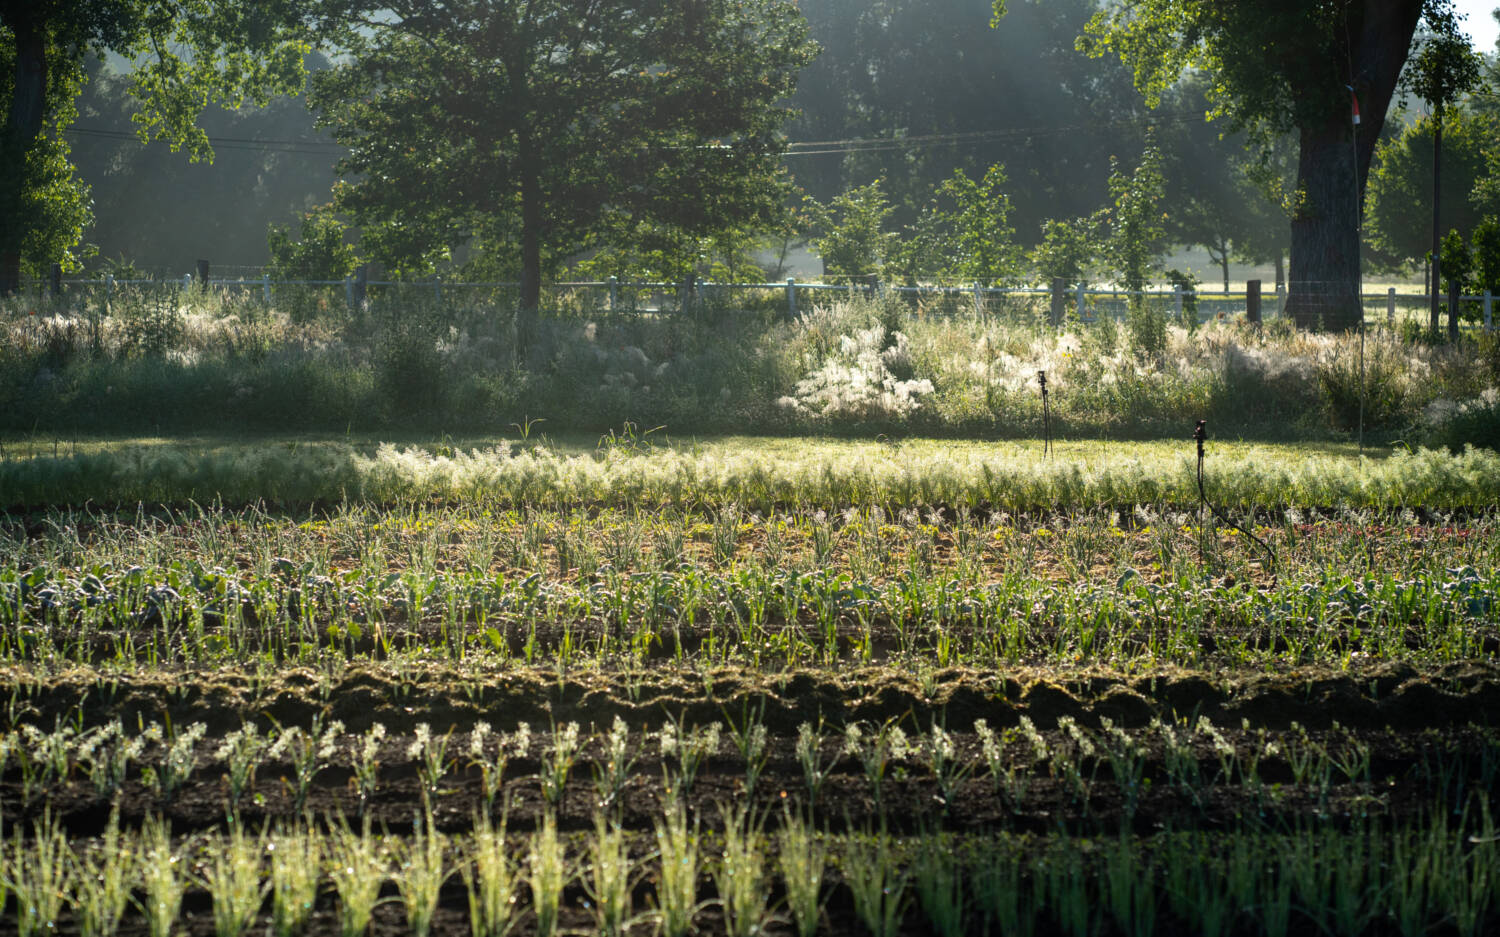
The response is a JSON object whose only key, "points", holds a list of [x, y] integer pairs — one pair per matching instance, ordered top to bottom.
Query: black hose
{"points": [[1041, 377], [1200, 433]]}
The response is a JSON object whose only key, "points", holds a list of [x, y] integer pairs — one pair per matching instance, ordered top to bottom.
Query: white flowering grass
{"points": [[762, 474]]}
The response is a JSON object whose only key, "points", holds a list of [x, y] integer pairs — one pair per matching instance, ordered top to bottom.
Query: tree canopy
{"points": [[185, 54], [1288, 65], [533, 129]]}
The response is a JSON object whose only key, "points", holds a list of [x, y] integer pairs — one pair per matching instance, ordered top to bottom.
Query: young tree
{"points": [[185, 54], [1280, 65], [537, 126], [1398, 202]]}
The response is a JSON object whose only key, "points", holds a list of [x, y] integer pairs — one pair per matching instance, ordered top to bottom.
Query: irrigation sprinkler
{"points": [[1041, 378], [1200, 434]]}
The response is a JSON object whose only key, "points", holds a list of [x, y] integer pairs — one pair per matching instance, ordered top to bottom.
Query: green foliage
{"points": [[184, 55], [546, 128], [1398, 201], [1137, 238], [853, 242], [1486, 244], [984, 245], [1067, 249], [321, 252]]}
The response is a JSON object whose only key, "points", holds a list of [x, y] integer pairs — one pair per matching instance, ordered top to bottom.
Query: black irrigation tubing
{"points": [[1041, 377], [1200, 433]]}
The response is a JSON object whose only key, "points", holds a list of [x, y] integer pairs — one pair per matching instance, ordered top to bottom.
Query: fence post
{"points": [[203, 275], [55, 280], [187, 281], [361, 285], [437, 287], [265, 288], [349, 291], [1454, 291], [614, 293], [791, 298], [1177, 301], [1252, 301], [978, 302], [1078, 302], [1488, 302], [1390, 306], [1055, 317]]}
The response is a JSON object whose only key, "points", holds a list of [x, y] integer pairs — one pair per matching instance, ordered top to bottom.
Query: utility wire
{"points": [[795, 148]]}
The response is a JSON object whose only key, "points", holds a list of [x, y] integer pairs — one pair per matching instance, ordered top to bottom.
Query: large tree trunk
{"points": [[27, 108], [1334, 165], [1325, 234], [531, 243]]}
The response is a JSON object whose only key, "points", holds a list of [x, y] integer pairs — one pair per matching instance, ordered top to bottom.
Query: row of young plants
{"points": [[896, 476], [187, 614], [1189, 760], [740, 878]]}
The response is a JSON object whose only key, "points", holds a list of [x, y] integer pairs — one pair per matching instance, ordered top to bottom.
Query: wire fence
{"points": [[791, 297]]}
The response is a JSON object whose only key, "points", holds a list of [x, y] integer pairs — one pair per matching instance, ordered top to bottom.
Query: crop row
{"points": [[893, 475], [184, 612], [1191, 759], [680, 879]]}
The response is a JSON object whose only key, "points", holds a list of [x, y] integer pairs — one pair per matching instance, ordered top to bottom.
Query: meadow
{"points": [[544, 679]]}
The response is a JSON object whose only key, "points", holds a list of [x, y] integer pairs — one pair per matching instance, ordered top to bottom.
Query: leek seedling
{"points": [[691, 748], [876, 750], [241, 752], [431, 756], [558, 763], [366, 764], [613, 770], [815, 770], [803, 859], [357, 865], [296, 869], [422, 874], [548, 874], [37, 875], [740, 875], [491, 879], [101, 881], [162, 881], [234, 882], [608, 883], [877, 885], [677, 890]]}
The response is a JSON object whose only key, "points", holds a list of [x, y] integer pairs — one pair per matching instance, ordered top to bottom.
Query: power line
{"points": [[795, 148]]}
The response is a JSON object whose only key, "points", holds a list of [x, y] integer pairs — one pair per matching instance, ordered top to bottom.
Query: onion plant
{"points": [[802, 859], [357, 864], [296, 870], [421, 871], [548, 875], [741, 875], [37, 876], [491, 879], [101, 880], [163, 880], [234, 881], [677, 889]]}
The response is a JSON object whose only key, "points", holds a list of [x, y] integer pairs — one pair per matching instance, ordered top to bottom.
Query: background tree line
{"points": [[655, 135]]}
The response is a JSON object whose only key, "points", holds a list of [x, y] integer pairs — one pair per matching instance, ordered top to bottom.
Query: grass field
{"points": [[743, 685]]}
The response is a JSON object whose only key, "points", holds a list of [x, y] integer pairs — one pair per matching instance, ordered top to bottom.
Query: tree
{"points": [[185, 53], [1283, 65], [1444, 68], [537, 127], [1398, 200], [853, 242]]}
